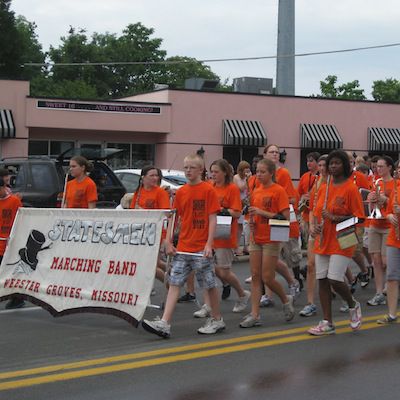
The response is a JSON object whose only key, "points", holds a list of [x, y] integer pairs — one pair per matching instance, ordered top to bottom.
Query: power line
{"points": [[211, 60]]}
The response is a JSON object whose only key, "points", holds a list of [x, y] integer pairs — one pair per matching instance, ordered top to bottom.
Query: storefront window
{"points": [[38, 148], [57, 148], [135, 155], [122, 160]]}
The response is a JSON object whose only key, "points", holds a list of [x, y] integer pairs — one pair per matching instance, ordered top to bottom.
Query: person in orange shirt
{"points": [[304, 187], [80, 192], [150, 195], [337, 201], [266, 202], [9, 205], [196, 205], [231, 205], [379, 228], [393, 256], [310, 308]]}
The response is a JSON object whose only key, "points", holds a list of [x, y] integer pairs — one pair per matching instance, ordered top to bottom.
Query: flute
{"points": [[321, 235]]}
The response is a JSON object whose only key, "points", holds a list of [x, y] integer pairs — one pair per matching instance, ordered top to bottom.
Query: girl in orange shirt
{"points": [[80, 192], [149, 195], [229, 199], [266, 201], [337, 201], [379, 228]]}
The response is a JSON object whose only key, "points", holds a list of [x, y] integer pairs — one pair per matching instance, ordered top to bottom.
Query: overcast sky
{"points": [[235, 28]]}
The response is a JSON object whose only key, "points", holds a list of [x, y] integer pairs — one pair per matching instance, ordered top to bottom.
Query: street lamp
{"points": [[200, 152], [282, 156]]}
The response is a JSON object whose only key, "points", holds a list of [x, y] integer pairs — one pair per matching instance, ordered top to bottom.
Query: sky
{"points": [[210, 29]]}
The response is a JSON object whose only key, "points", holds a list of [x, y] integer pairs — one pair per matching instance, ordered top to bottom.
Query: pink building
{"points": [[163, 126]]}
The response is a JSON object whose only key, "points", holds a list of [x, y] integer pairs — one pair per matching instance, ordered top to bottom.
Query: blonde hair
{"points": [[195, 158], [242, 166]]}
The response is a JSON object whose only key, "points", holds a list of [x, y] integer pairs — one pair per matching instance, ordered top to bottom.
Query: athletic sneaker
{"points": [[364, 279], [248, 280], [294, 289], [226, 292], [187, 297], [378, 300], [266, 301], [241, 304], [344, 308], [288, 309], [308, 310], [204, 312], [355, 316], [386, 320], [249, 322], [212, 326], [158, 327], [323, 328]]}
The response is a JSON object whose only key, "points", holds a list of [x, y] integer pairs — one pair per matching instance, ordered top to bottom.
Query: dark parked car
{"points": [[40, 179]]}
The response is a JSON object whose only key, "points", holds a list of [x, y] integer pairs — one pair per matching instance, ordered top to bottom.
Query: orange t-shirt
{"points": [[361, 180], [253, 183], [305, 186], [385, 188], [80, 194], [229, 197], [154, 198], [272, 199], [343, 199], [194, 204], [8, 209], [392, 240]]}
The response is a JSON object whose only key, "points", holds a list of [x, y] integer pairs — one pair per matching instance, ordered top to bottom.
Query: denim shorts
{"points": [[183, 264]]}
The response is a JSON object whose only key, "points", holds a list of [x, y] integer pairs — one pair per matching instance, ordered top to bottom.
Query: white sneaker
{"points": [[248, 280], [294, 290], [241, 304], [288, 309], [204, 312], [355, 317], [249, 322], [212, 326], [158, 327]]}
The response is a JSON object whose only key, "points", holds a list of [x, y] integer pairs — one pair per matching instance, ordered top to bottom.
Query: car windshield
{"points": [[175, 179]]}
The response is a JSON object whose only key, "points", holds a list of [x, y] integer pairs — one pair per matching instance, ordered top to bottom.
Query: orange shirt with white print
{"points": [[386, 189], [80, 194], [229, 197], [154, 198], [271, 199], [343, 199], [194, 204], [8, 210], [392, 239]]}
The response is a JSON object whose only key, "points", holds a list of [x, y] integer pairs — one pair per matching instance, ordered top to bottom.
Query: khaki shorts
{"points": [[377, 240], [268, 249], [223, 258], [331, 267]]}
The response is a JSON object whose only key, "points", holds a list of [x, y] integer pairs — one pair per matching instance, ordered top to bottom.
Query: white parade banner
{"points": [[74, 260]]}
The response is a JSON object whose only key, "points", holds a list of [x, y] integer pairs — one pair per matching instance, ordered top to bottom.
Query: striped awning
{"points": [[7, 128], [243, 133], [317, 136], [383, 139]]}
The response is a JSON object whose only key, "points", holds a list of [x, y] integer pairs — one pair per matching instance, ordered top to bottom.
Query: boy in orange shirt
{"points": [[197, 205]]}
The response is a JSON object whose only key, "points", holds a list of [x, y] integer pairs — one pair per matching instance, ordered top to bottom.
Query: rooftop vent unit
{"points": [[201, 84], [253, 85]]}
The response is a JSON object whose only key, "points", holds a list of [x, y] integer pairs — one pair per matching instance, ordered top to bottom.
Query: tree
{"points": [[10, 49], [350, 90], [387, 90]]}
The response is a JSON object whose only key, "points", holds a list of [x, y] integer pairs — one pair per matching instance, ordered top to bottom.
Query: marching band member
{"points": [[267, 200], [338, 200], [379, 228], [393, 256]]}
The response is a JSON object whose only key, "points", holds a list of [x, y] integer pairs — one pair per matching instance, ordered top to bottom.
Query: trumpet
{"points": [[375, 212]]}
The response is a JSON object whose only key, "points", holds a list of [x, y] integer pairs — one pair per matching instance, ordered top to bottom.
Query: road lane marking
{"points": [[272, 337]]}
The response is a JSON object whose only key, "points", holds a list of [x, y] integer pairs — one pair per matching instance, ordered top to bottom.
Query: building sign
{"points": [[99, 107], [69, 261]]}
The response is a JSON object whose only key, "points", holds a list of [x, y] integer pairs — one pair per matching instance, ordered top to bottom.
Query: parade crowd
{"points": [[344, 210]]}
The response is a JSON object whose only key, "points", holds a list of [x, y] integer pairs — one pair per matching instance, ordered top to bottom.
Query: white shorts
{"points": [[332, 267]]}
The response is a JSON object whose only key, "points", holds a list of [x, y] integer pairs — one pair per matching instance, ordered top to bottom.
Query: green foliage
{"points": [[350, 90], [387, 90]]}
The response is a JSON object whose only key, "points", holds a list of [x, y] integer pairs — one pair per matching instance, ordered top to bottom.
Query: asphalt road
{"points": [[89, 356]]}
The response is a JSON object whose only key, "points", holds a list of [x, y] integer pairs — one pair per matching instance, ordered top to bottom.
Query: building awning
{"points": [[7, 128], [243, 133], [317, 136], [384, 139]]}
